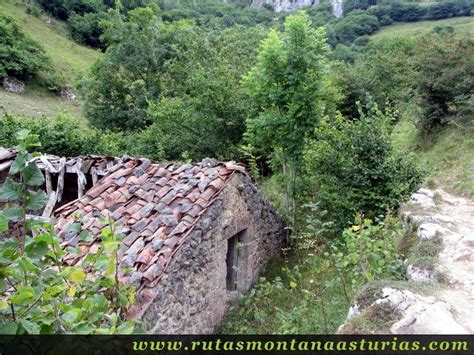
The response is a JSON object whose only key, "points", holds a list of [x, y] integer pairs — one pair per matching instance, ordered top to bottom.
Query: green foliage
{"points": [[216, 14], [355, 24], [20, 56], [382, 59], [444, 80], [120, 84], [286, 86], [203, 107], [63, 136], [351, 167], [367, 252], [40, 295], [307, 298]]}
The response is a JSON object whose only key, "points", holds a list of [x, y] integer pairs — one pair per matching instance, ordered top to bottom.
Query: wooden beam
{"points": [[6, 165], [48, 166], [62, 171], [95, 178], [81, 179], [49, 183], [48, 210]]}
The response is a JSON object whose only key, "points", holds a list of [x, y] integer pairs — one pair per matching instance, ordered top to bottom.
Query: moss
{"points": [[424, 254], [378, 318]]}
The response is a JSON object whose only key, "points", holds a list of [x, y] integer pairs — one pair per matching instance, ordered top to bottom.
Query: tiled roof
{"points": [[89, 164], [157, 206]]}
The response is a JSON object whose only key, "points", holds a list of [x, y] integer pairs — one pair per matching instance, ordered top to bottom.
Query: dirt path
{"points": [[439, 213], [443, 220], [456, 260]]}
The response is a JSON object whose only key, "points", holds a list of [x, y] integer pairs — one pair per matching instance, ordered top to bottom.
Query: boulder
{"points": [[13, 85], [68, 93]]}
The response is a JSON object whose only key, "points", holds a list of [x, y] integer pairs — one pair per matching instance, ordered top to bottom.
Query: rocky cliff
{"points": [[291, 5]]}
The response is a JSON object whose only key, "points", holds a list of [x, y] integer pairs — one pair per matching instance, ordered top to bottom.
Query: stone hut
{"points": [[196, 235]]}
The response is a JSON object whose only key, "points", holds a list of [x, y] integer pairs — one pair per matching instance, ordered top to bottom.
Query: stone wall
{"points": [[192, 297]]}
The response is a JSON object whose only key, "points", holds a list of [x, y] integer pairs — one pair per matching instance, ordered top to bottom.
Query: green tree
{"points": [[20, 56], [444, 79], [122, 82], [286, 86], [203, 106], [352, 167]]}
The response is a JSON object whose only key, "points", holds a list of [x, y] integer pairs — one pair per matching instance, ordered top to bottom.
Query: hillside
{"points": [[462, 25], [69, 59], [447, 154]]}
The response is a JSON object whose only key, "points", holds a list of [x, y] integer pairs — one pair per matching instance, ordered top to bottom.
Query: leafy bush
{"points": [[355, 24], [87, 28], [20, 56], [127, 77], [444, 80], [63, 136], [351, 167], [367, 252], [38, 294]]}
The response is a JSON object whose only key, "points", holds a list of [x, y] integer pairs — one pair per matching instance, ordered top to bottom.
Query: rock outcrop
{"points": [[292, 5], [13, 85], [67, 92], [449, 309]]}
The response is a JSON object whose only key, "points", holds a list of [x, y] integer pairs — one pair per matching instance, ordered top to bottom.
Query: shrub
{"points": [[355, 24], [20, 56], [444, 80], [63, 136], [351, 167], [367, 252]]}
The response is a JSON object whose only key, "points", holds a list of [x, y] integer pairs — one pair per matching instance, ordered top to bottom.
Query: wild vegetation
{"points": [[325, 116]]}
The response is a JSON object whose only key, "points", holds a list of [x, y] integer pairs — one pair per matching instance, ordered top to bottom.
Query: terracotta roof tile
{"points": [[158, 206]]}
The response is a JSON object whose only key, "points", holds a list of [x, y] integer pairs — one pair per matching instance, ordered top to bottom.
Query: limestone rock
{"points": [[292, 5], [13, 85], [68, 93], [423, 197], [428, 230], [417, 274], [420, 315]]}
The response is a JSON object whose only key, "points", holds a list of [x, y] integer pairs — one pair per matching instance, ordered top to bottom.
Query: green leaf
{"points": [[22, 134], [18, 164], [32, 175], [10, 191], [36, 200], [13, 213], [3, 224], [74, 227], [111, 246], [37, 249], [27, 265], [77, 277], [293, 284], [53, 291], [22, 297], [3, 303], [72, 315], [30, 327], [8, 328], [126, 328]]}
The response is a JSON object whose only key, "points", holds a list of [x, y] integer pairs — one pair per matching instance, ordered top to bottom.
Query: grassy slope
{"points": [[460, 25], [69, 59], [448, 154]]}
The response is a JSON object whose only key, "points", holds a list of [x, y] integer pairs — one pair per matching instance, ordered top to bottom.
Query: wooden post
{"points": [[62, 172], [48, 210]]}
